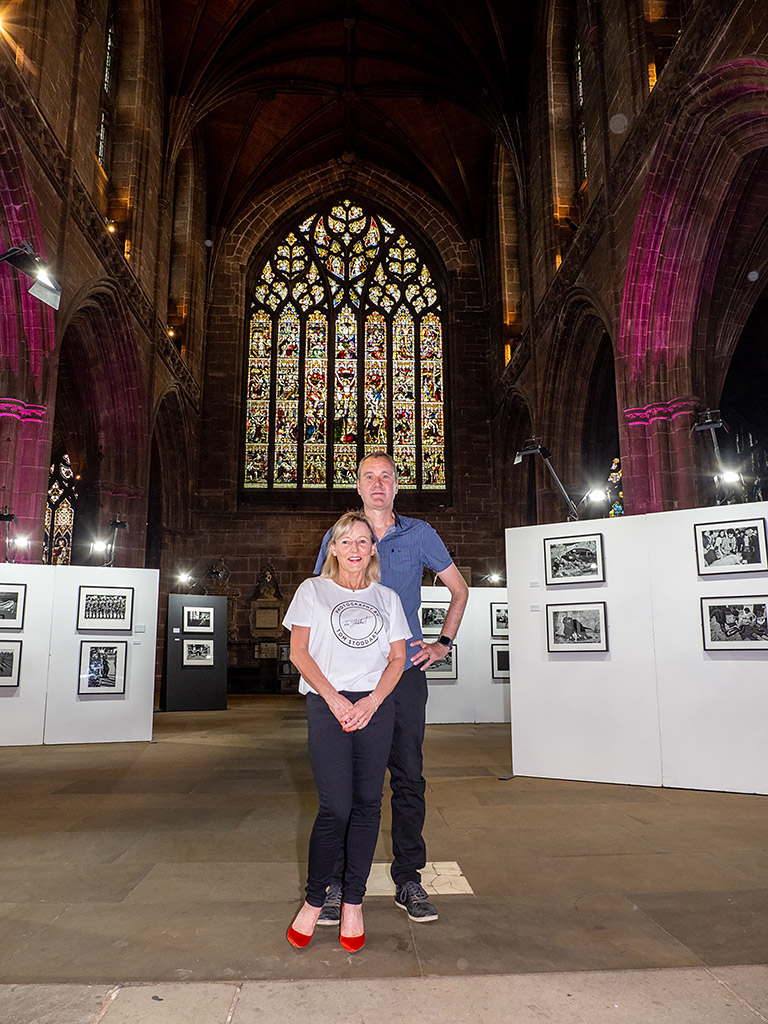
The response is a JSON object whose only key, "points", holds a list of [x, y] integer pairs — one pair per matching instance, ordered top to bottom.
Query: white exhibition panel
{"points": [[474, 696], [713, 705], [22, 707], [584, 716], [101, 718]]}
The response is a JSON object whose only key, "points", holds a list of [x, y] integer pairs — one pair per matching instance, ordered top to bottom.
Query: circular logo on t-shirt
{"points": [[356, 624]]}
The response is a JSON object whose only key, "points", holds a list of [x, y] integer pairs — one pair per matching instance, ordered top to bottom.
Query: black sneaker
{"points": [[412, 898], [331, 912]]}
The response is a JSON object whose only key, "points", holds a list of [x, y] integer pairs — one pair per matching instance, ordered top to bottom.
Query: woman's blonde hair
{"points": [[340, 529]]}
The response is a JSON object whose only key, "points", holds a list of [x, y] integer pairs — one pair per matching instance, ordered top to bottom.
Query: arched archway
{"points": [[670, 335], [101, 418], [579, 422]]}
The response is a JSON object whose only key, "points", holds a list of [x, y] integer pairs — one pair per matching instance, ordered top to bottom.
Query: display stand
{"points": [[86, 654], [195, 676], [476, 691], [656, 707]]}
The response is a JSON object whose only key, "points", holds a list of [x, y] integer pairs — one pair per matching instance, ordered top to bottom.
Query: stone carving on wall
{"points": [[216, 582], [266, 606]]}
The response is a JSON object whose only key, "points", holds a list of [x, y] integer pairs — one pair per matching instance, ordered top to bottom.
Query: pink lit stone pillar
{"points": [[657, 456], [24, 464]]}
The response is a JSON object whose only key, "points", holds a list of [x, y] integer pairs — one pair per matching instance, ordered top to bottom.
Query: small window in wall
{"points": [[664, 23], [107, 105], [579, 125], [345, 356], [60, 513]]}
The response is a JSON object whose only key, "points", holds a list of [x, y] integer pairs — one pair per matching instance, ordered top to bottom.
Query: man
{"points": [[405, 547]]}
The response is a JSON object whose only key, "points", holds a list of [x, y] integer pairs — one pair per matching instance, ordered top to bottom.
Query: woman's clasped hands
{"points": [[353, 716]]}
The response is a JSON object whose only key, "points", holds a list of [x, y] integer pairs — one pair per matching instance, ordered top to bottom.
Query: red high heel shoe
{"points": [[297, 939], [352, 943]]}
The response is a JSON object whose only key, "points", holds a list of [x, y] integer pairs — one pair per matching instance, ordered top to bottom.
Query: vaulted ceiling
{"points": [[422, 89]]}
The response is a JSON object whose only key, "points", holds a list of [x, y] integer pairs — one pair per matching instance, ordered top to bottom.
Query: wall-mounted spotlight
{"points": [[25, 260], [712, 421], [531, 447], [107, 549]]}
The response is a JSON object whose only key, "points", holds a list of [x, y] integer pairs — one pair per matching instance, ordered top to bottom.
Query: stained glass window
{"points": [[345, 356], [60, 513]]}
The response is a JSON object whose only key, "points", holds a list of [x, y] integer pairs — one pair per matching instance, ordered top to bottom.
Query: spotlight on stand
{"points": [[24, 258], [531, 447], [729, 484], [8, 518], [107, 549]]}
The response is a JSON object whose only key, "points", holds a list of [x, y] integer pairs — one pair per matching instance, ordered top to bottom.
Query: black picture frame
{"points": [[736, 546], [573, 560], [13, 599], [105, 609], [432, 617], [196, 619], [499, 620], [735, 623], [577, 628], [197, 653], [10, 663], [102, 667], [445, 668], [500, 671]]}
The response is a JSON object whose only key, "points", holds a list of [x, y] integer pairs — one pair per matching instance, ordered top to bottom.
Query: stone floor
{"points": [[154, 882]]}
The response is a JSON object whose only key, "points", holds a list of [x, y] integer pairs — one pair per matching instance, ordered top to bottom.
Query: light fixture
{"points": [[111, 227], [24, 258], [711, 420], [531, 447], [8, 518], [105, 548]]}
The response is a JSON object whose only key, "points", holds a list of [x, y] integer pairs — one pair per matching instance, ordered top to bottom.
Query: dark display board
{"points": [[195, 677]]}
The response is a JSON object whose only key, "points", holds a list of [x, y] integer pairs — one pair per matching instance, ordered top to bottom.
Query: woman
{"points": [[348, 636]]}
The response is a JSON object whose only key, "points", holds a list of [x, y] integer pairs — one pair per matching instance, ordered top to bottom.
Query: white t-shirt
{"points": [[350, 631]]}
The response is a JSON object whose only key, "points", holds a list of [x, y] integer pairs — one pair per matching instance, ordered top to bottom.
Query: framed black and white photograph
{"points": [[731, 547], [574, 559], [12, 600], [105, 608], [433, 617], [197, 619], [499, 619], [734, 623], [576, 627], [197, 653], [499, 661], [10, 662], [102, 666], [447, 667]]}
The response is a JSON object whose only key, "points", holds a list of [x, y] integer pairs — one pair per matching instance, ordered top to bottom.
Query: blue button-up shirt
{"points": [[405, 549]]}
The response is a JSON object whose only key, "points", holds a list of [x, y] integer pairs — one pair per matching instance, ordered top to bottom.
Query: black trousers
{"points": [[349, 774], [406, 778]]}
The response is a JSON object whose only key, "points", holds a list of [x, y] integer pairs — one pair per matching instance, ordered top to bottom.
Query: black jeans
{"points": [[405, 771], [349, 774]]}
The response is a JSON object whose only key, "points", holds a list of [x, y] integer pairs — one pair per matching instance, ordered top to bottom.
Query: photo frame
{"points": [[736, 546], [570, 560], [13, 598], [107, 609], [432, 617], [196, 619], [499, 619], [735, 623], [577, 627], [197, 653], [10, 662], [499, 662], [102, 667], [445, 668]]}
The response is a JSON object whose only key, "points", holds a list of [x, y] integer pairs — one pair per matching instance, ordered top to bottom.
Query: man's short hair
{"points": [[377, 455]]}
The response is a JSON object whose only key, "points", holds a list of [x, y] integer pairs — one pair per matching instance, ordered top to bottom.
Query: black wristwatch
{"points": [[446, 641]]}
